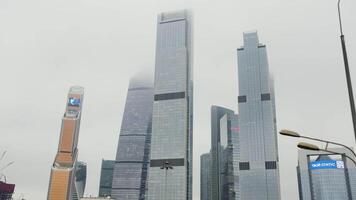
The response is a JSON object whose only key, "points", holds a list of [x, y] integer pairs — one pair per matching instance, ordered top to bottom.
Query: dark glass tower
{"points": [[132, 158], [258, 162], [170, 172], [106, 175]]}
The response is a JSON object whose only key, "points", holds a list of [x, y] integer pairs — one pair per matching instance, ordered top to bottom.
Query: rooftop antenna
{"points": [[3, 155]]}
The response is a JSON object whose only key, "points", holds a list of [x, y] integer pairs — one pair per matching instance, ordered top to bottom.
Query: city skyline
{"points": [[48, 56]]}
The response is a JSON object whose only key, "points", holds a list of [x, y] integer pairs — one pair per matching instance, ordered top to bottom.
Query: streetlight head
{"points": [[289, 133], [307, 146]]}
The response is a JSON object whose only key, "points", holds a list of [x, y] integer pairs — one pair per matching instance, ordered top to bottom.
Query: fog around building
{"points": [[48, 46]]}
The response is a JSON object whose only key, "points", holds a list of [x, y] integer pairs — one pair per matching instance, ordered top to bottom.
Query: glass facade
{"points": [[257, 122], [219, 140], [171, 143], [224, 154], [106, 175], [325, 176], [205, 177], [81, 178], [129, 181]]}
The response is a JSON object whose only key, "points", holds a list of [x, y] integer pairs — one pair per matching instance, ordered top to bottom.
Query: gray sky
{"points": [[48, 45]]}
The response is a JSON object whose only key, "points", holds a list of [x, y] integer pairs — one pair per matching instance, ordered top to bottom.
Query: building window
{"points": [[168, 96], [265, 97], [242, 99], [244, 165], [271, 165]]}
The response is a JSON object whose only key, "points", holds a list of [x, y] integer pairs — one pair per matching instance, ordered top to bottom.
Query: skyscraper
{"points": [[257, 119], [224, 133], [218, 144], [132, 157], [170, 171], [106, 175], [326, 176], [205, 177], [81, 178], [62, 180]]}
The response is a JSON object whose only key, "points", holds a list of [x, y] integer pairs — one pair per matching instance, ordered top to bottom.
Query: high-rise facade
{"points": [[219, 142], [224, 149], [132, 158], [258, 162], [170, 171], [106, 175], [326, 176], [205, 177], [81, 178], [62, 180]]}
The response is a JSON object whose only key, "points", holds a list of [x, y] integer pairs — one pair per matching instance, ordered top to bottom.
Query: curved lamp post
{"points": [[290, 133], [312, 147]]}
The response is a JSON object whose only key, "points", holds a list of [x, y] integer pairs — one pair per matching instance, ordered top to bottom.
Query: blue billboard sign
{"points": [[73, 101], [326, 164]]}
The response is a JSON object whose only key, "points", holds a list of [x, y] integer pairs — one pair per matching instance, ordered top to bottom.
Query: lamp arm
{"points": [[330, 142]]}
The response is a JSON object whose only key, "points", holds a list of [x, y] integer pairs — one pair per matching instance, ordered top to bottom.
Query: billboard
{"points": [[74, 101], [327, 164]]}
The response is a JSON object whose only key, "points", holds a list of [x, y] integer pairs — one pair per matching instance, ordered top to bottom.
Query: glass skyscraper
{"points": [[219, 140], [224, 146], [132, 158], [258, 162], [170, 171], [106, 175], [326, 176], [205, 177], [81, 178], [62, 184]]}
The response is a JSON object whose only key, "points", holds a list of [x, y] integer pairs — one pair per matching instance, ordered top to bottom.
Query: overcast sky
{"points": [[48, 45]]}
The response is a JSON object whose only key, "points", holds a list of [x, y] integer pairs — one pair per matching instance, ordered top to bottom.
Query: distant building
{"points": [[172, 127], [224, 139], [258, 154], [106, 175], [205, 176], [326, 176], [81, 178], [62, 179], [129, 180], [6, 190]]}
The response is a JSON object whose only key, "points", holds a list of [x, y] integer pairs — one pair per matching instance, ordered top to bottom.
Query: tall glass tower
{"points": [[257, 119], [218, 144], [224, 149], [132, 157], [170, 172], [106, 175], [62, 184]]}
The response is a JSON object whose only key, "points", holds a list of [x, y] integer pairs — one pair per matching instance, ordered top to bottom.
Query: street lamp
{"points": [[347, 70], [290, 133], [312, 147]]}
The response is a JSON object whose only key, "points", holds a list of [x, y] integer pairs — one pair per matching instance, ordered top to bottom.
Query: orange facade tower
{"points": [[62, 180]]}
